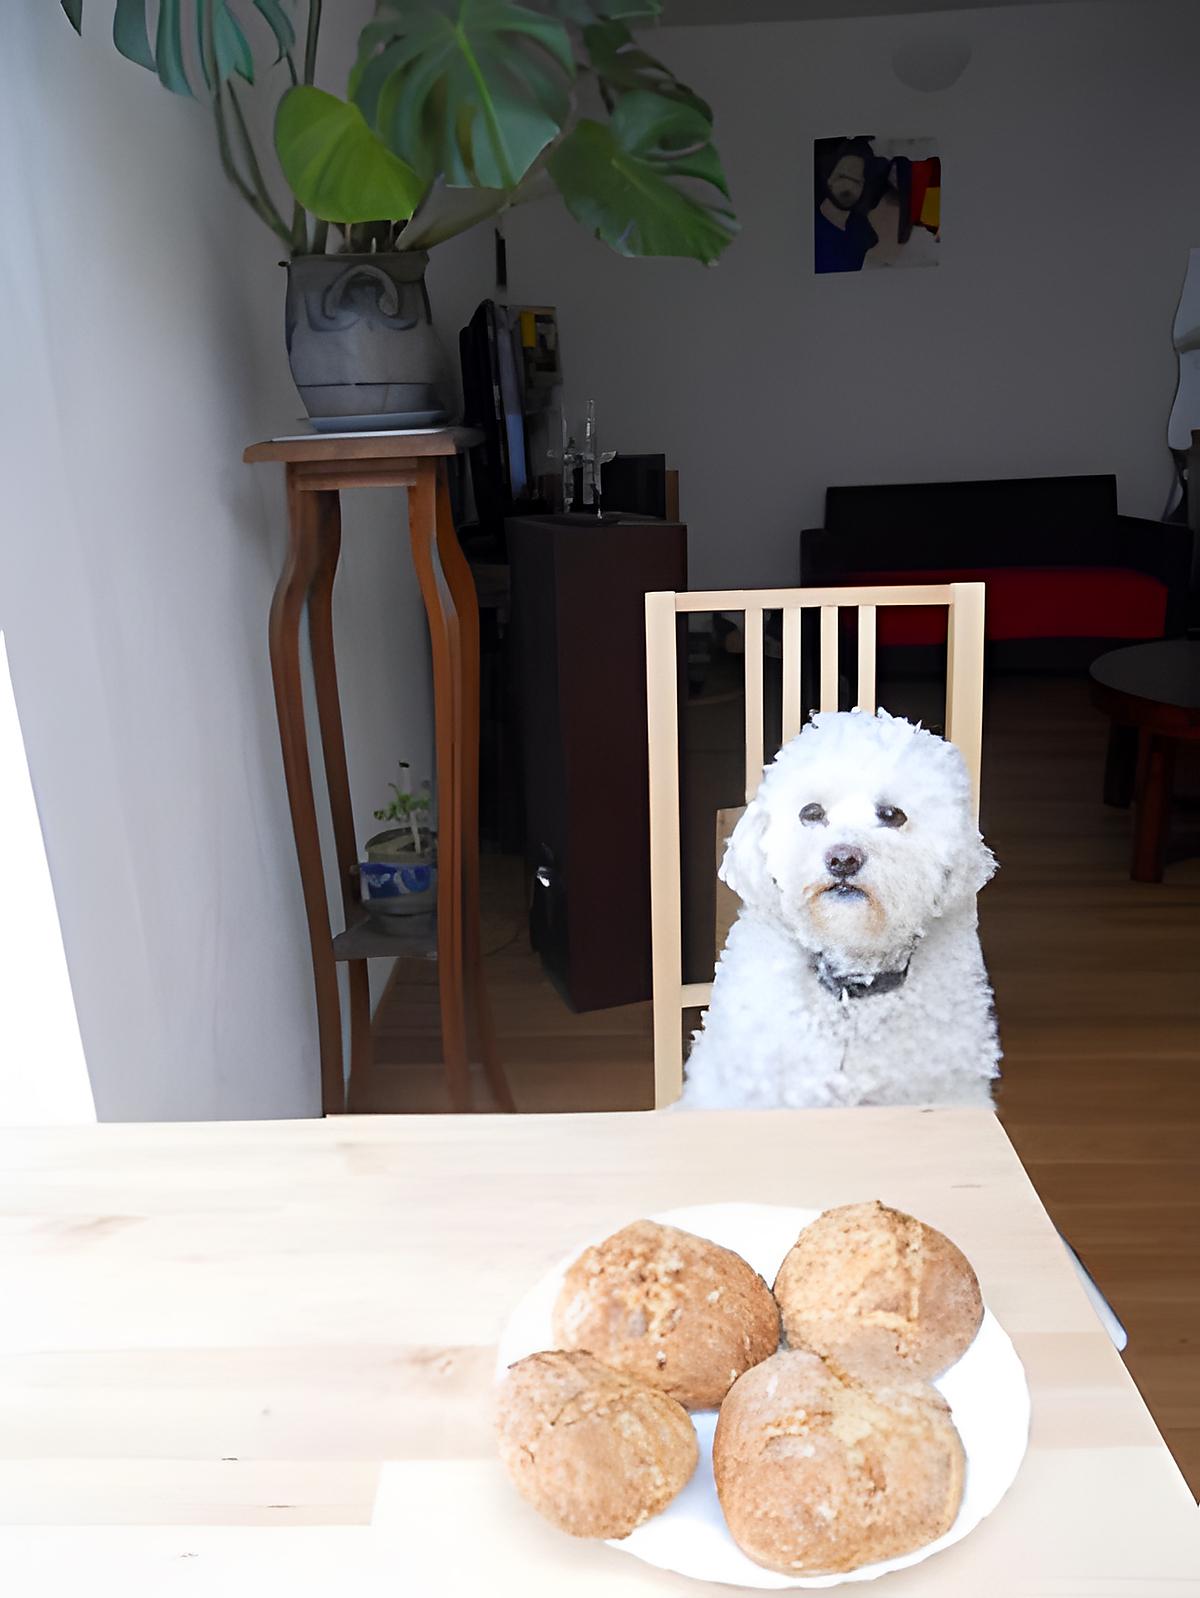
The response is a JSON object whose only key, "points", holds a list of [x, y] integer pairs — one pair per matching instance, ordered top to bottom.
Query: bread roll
{"points": [[879, 1292], [675, 1310], [592, 1450], [817, 1473]]}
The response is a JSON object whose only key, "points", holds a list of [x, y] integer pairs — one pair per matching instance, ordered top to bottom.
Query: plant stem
{"points": [[310, 42], [231, 171], [256, 177], [260, 201], [263, 209], [299, 229], [300, 234]]}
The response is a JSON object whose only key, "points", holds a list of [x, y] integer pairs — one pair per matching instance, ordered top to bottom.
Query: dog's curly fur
{"points": [[868, 986]]}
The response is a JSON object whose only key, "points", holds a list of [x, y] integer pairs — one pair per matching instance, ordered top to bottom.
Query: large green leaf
{"points": [[279, 23], [130, 33], [233, 48], [168, 49], [231, 51], [623, 67], [471, 91], [337, 168], [630, 180], [444, 212]]}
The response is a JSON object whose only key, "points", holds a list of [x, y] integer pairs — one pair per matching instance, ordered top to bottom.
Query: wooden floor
{"points": [[1097, 985]]}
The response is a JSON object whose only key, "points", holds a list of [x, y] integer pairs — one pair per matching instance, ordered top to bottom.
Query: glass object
{"points": [[587, 461]]}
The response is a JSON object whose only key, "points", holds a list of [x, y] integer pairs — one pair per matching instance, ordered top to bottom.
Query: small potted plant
{"points": [[399, 875]]}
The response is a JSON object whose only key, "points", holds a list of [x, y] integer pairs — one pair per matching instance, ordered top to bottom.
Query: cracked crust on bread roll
{"points": [[879, 1292], [676, 1310], [594, 1451], [819, 1473]]}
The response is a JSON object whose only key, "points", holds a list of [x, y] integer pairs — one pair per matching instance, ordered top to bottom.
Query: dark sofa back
{"points": [[1025, 512]]}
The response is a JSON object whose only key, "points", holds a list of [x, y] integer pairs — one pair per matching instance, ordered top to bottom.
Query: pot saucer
{"points": [[382, 422]]}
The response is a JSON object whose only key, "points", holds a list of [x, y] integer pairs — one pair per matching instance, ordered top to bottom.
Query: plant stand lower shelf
{"points": [[318, 468], [414, 939]]}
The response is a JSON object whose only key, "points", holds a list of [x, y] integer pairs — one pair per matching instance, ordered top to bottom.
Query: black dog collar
{"points": [[858, 986]]}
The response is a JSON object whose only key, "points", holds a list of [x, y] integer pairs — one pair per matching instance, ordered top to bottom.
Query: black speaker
{"points": [[579, 642]]}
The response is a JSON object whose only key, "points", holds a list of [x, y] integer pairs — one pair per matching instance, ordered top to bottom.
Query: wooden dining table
{"points": [[269, 1347]]}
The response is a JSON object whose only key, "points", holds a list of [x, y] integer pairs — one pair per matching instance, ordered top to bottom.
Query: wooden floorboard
{"points": [[1097, 984]]}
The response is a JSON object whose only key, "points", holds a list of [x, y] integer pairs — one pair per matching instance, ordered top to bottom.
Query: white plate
{"points": [[986, 1390]]}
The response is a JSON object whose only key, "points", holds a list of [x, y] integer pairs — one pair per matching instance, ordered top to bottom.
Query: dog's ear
{"points": [[974, 865], [744, 868]]}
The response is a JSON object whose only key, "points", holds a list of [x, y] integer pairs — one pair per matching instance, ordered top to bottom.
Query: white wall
{"points": [[1040, 344], [143, 350]]}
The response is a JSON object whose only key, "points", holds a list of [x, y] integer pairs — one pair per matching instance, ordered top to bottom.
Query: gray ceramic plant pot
{"points": [[360, 337]]}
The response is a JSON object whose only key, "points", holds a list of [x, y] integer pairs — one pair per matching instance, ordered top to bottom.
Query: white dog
{"points": [[853, 974]]}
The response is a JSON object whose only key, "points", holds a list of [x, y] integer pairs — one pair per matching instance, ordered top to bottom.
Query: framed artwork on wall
{"points": [[876, 203]]}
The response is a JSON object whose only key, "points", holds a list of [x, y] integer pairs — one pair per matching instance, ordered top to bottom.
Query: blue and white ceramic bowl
{"points": [[384, 881], [396, 886]]}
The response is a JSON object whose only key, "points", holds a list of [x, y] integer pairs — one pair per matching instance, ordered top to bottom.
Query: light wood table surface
{"points": [[206, 1329]]}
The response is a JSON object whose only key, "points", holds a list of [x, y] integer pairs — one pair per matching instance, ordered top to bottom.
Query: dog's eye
{"points": [[813, 815], [890, 816]]}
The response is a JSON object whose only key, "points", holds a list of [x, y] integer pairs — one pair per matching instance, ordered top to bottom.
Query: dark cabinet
{"points": [[579, 650]]}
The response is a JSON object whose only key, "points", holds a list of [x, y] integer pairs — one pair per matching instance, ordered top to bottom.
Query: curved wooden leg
{"points": [[326, 513], [422, 514], [466, 603], [287, 608], [1120, 765], [1152, 815]]}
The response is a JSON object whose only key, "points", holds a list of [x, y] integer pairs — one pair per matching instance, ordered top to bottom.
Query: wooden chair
{"points": [[964, 725]]}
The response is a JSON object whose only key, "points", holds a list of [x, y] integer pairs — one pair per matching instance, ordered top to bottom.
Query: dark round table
{"points": [[1152, 694]]}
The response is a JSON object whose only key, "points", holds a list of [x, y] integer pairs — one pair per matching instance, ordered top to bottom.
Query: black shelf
{"points": [[415, 939]]}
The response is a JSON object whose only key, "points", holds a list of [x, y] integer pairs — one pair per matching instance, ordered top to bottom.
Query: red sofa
{"points": [[1067, 576]]}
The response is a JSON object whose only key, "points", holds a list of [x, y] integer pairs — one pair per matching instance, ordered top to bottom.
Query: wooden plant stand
{"points": [[318, 468]]}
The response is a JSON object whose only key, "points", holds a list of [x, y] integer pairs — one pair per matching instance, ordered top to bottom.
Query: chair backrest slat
{"points": [[710, 601], [752, 636], [829, 657], [792, 674], [964, 677], [865, 698], [964, 727], [666, 930]]}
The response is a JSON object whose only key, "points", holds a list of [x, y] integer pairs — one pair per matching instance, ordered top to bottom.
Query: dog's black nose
{"points": [[843, 860]]}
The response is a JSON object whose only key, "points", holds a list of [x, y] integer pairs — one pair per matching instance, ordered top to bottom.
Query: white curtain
{"points": [[43, 1075]]}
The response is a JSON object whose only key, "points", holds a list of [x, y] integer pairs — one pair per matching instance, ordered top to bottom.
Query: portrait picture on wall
{"points": [[877, 202]]}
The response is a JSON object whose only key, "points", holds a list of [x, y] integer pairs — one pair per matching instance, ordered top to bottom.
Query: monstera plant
{"points": [[475, 95], [455, 111]]}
